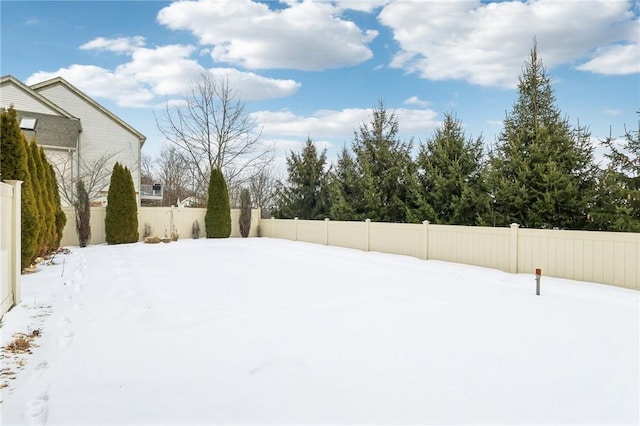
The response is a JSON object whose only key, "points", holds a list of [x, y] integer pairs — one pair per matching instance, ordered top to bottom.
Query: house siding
{"points": [[12, 95], [100, 134]]}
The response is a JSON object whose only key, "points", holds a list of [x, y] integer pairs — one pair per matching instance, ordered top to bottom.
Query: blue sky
{"points": [[317, 68]]}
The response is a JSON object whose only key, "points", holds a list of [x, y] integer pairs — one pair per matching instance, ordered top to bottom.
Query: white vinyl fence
{"points": [[161, 220], [10, 245], [602, 257]]}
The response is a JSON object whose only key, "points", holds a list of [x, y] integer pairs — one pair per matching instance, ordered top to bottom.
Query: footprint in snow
{"points": [[39, 408]]}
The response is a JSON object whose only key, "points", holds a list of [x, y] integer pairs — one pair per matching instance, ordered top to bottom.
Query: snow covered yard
{"points": [[264, 331]]}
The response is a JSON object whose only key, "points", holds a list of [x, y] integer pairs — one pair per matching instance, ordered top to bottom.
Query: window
{"points": [[27, 123]]}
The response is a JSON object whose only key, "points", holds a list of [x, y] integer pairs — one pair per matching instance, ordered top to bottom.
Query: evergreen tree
{"points": [[33, 160], [14, 166], [384, 168], [541, 171], [450, 177], [305, 193], [344, 195], [618, 207], [245, 213], [83, 215], [60, 216], [217, 220], [121, 221]]}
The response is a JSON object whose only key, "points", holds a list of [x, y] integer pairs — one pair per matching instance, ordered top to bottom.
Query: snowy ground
{"points": [[264, 331]]}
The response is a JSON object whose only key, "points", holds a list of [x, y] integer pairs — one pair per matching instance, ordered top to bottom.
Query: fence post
{"points": [[295, 222], [273, 224], [368, 226], [425, 229], [326, 231], [16, 240], [513, 249]]}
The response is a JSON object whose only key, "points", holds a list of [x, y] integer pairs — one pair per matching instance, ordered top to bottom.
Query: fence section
{"points": [[160, 220], [10, 244], [602, 257]]}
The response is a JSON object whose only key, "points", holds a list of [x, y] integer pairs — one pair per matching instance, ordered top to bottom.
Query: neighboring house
{"points": [[80, 136]]}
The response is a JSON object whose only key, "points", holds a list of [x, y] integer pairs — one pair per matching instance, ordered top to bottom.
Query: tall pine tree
{"points": [[383, 169], [541, 170], [451, 188], [343, 189], [305, 194], [618, 198]]}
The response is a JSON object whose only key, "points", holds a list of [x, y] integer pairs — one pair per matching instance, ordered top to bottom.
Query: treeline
{"points": [[540, 174], [42, 217]]}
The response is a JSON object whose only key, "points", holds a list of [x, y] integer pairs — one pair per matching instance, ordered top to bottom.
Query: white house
{"points": [[82, 139]]}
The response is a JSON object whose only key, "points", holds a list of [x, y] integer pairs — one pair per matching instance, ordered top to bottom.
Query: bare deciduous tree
{"points": [[213, 131], [172, 170], [95, 173]]}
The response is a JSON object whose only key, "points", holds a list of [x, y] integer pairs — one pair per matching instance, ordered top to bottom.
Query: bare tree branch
{"points": [[211, 128]]}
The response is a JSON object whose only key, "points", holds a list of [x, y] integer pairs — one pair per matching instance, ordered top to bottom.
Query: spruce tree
{"points": [[14, 166], [383, 168], [541, 171], [450, 177], [343, 189], [305, 194], [618, 200], [245, 213], [217, 220], [121, 221]]}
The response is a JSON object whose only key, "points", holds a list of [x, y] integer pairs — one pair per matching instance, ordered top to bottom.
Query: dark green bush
{"points": [[217, 220], [121, 221]]}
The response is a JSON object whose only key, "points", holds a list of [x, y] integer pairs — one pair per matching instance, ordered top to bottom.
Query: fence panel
{"points": [[161, 221], [312, 231], [353, 235], [398, 238], [10, 244], [471, 245], [602, 257]]}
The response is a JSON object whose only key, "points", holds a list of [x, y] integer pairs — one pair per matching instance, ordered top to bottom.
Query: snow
{"points": [[265, 331]]}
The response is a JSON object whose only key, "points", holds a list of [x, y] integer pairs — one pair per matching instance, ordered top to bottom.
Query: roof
{"points": [[29, 91], [112, 116], [52, 130]]}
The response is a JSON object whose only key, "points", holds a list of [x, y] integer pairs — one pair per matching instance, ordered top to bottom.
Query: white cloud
{"points": [[301, 35], [487, 43], [118, 45], [616, 60], [157, 72], [100, 83], [252, 86], [414, 100], [613, 111], [328, 124]]}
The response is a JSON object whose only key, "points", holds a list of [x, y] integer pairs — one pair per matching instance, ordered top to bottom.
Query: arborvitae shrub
{"points": [[33, 160], [14, 166], [245, 213], [83, 215], [60, 217], [217, 220], [121, 222], [195, 230]]}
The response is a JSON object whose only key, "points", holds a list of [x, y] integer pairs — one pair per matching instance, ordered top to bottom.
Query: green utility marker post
{"points": [[538, 275]]}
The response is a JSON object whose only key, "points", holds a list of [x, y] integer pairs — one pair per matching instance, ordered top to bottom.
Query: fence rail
{"points": [[161, 220], [10, 244], [602, 257]]}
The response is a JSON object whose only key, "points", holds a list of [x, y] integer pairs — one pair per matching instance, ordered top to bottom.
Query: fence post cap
{"points": [[326, 219], [367, 220], [425, 222], [515, 225]]}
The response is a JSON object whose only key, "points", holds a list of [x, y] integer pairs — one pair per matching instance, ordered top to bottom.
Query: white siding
{"points": [[12, 95], [100, 134]]}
